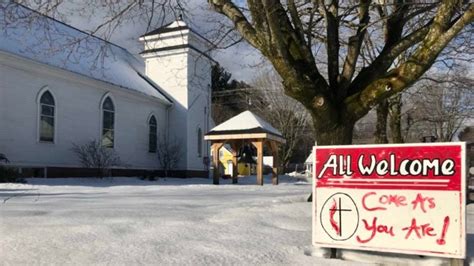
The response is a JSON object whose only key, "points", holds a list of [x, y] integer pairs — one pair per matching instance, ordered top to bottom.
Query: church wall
{"points": [[169, 71], [199, 82], [78, 115]]}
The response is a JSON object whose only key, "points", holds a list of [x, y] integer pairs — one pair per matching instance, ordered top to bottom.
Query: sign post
{"points": [[406, 198]]}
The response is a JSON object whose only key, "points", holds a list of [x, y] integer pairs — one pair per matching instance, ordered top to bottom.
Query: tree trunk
{"points": [[395, 121], [381, 126], [340, 134]]}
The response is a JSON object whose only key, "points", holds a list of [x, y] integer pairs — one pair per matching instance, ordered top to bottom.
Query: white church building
{"points": [[60, 86]]}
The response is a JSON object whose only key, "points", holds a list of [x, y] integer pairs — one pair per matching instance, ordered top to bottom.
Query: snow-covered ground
{"points": [[125, 221]]}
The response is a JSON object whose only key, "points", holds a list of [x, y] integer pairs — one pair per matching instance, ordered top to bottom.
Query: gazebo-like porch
{"points": [[239, 130]]}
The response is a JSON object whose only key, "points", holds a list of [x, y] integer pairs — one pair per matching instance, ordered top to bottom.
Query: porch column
{"points": [[259, 145], [215, 161], [276, 162], [235, 167]]}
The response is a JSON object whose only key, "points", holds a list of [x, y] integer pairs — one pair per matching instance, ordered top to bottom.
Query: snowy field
{"points": [[125, 221]]}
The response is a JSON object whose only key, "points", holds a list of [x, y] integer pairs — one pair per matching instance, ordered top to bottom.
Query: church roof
{"points": [[175, 26], [170, 27], [31, 35], [245, 122]]}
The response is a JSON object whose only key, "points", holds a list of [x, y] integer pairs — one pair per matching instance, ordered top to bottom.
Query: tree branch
{"points": [[230, 10], [259, 21], [298, 26], [441, 32], [332, 43], [353, 51], [385, 59]]}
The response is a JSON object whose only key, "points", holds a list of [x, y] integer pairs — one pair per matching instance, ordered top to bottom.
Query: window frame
{"points": [[40, 115], [102, 120], [150, 133], [199, 142]]}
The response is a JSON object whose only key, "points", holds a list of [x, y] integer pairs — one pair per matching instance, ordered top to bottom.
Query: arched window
{"points": [[108, 121], [46, 128], [152, 134], [199, 142]]}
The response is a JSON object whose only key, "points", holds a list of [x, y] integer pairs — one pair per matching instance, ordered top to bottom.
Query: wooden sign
{"points": [[391, 198]]}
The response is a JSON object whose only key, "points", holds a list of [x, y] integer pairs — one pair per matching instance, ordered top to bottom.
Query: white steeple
{"points": [[177, 59]]}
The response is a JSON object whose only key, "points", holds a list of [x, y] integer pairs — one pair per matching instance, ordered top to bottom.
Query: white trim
{"points": [[175, 34], [178, 34], [164, 53], [40, 93], [102, 100], [152, 113], [225, 137]]}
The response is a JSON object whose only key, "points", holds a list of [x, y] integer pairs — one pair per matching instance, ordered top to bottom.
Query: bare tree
{"points": [[113, 14], [292, 35], [337, 58], [451, 62], [438, 105], [443, 110], [283, 112], [395, 115], [388, 121], [380, 135], [169, 152], [93, 155]]}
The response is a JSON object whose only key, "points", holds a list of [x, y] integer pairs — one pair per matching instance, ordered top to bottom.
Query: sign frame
{"points": [[463, 190]]}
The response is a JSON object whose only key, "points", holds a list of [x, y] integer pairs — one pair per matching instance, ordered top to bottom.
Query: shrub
{"points": [[169, 153], [93, 155], [3, 158], [8, 174], [149, 176]]}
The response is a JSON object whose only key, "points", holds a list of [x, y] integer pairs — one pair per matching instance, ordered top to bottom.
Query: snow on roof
{"points": [[28, 34], [245, 122], [309, 160]]}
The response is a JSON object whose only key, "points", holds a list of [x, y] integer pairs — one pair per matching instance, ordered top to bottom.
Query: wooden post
{"points": [[259, 145], [215, 162], [276, 162], [235, 167]]}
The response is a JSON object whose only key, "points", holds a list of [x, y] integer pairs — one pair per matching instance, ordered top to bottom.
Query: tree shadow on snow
{"points": [[90, 181], [162, 181], [242, 181], [16, 189], [11, 195], [5, 198]]}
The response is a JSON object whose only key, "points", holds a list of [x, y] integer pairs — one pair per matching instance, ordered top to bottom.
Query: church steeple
{"points": [[177, 34], [177, 59]]}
